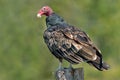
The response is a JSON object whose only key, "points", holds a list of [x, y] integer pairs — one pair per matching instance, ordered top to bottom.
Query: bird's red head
{"points": [[45, 10]]}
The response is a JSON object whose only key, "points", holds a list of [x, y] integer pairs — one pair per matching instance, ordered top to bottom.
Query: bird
{"points": [[68, 42]]}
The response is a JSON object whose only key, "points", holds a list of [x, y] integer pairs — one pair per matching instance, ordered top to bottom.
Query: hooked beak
{"points": [[39, 15]]}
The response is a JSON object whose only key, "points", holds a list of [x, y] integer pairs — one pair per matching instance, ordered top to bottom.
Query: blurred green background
{"points": [[23, 53]]}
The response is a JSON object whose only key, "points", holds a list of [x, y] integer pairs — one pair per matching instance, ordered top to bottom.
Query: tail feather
{"points": [[99, 63], [104, 66]]}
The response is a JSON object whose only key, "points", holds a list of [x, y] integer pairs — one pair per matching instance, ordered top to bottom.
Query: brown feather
{"points": [[73, 45]]}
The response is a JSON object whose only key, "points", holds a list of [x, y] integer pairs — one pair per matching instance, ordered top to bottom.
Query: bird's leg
{"points": [[60, 64], [70, 67]]}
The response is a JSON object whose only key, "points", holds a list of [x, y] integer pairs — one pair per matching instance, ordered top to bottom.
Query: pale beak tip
{"points": [[38, 15]]}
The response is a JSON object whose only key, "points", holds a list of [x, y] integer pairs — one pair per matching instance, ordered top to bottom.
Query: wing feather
{"points": [[70, 43], [84, 44]]}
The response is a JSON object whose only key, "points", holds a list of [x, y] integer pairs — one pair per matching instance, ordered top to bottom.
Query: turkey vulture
{"points": [[68, 42]]}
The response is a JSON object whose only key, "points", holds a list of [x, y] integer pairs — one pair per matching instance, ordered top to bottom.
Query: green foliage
{"points": [[23, 53]]}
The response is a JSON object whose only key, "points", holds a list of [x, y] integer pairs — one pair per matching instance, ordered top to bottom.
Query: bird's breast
{"points": [[53, 38]]}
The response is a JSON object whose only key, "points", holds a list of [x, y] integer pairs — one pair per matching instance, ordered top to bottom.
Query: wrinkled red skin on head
{"points": [[46, 10]]}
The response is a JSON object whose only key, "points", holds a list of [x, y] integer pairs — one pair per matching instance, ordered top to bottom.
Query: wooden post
{"points": [[70, 74]]}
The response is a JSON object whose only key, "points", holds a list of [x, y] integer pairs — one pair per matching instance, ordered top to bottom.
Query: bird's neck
{"points": [[54, 20]]}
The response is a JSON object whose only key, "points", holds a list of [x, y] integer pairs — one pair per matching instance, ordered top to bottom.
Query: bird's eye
{"points": [[44, 8]]}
